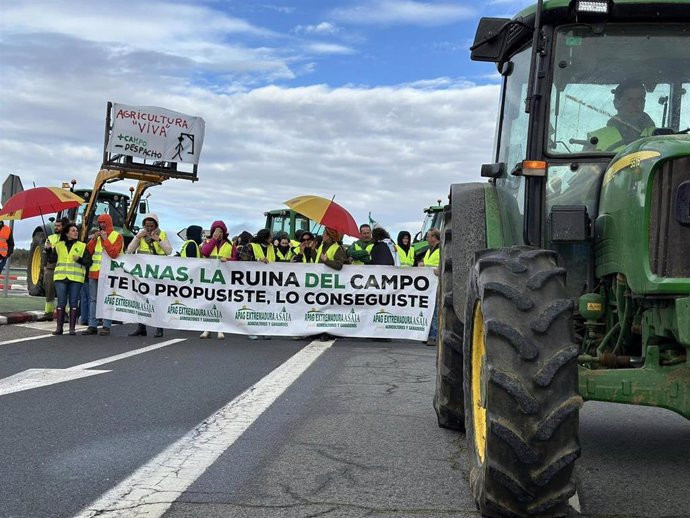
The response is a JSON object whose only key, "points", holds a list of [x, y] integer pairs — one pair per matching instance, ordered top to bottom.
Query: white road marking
{"points": [[17, 340], [34, 378], [152, 489], [574, 502]]}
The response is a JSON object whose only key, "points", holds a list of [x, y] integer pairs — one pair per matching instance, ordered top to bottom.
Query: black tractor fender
{"points": [[470, 213]]}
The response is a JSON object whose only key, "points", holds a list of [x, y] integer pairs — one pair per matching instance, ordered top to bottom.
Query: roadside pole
{"points": [[11, 186]]}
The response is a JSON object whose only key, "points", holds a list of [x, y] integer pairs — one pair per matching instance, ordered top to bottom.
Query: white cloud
{"points": [[403, 12], [323, 28], [328, 48], [388, 150]]}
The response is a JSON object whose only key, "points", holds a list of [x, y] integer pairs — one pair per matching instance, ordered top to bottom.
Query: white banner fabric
{"points": [[156, 133], [281, 299]]}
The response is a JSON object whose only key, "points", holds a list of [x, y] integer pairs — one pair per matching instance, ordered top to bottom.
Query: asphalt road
{"points": [[353, 435]]}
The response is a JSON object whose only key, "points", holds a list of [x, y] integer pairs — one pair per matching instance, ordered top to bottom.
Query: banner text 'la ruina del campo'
{"points": [[254, 298]]}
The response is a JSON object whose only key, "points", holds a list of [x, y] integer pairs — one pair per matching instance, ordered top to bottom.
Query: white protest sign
{"points": [[156, 134], [283, 299]]}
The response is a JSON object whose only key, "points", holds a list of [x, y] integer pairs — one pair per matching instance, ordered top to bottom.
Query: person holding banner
{"points": [[154, 241], [112, 242], [218, 246], [191, 247], [261, 248], [405, 248], [359, 250], [284, 252], [307, 252], [330, 252], [383, 252], [432, 259], [72, 260], [49, 269]]}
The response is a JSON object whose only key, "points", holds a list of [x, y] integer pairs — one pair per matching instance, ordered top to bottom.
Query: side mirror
{"points": [[490, 40], [142, 207], [51, 219], [417, 237]]}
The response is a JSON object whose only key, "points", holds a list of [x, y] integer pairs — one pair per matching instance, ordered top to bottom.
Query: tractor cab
{"points": [[286, 220]]}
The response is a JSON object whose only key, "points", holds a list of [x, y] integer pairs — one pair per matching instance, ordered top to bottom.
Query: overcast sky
{"points": [[373, 101]]}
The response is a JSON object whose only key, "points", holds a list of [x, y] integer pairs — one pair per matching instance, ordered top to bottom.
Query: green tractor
{"points": [[108, 202], [433, 219], [286, 220], [566, 277]]}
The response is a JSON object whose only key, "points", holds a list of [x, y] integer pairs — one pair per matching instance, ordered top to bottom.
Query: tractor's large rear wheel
{"points": [[34, 270], [520, 375], [448, 398]]}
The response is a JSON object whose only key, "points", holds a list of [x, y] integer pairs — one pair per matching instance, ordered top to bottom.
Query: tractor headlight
{"points": [[592, 6]]}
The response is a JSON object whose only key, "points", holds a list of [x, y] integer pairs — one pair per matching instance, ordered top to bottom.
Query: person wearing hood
{"points": [[108, 239], [150, 239], [154, 241], [218, 246], [191, 247], [261, 248], [405, 248], [284, 250], [330, 252], [72, 261]]}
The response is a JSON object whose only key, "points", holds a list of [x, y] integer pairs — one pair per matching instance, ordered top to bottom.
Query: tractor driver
{"points": [[630, 122]]}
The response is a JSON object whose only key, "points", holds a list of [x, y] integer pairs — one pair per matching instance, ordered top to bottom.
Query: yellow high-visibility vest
{"points": [[610, 138], [53, 239], [144, 247], [368, 249], [197, 250], [98, 251], [225, 251], [259, 252], [284, 258], [432, 258], [406, 259], [67, 268]]}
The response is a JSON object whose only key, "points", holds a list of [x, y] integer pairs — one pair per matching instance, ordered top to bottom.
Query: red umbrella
{"points": [[39, 201], [325, 211]]}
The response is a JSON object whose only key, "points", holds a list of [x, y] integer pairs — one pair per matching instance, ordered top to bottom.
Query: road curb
{"points": [[19, 317]]}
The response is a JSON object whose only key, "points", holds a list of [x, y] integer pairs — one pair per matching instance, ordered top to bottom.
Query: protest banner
{"points": [[156, 133], [281, 299]]}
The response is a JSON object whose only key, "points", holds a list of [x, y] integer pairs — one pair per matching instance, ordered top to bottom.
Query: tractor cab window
{"points": [[616, 84], [511, 142], [117, 209], [432, 220], [301, 223], [277, 224]]}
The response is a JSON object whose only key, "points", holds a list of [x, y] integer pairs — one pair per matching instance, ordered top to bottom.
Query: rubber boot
{"points": [[48, 310], [60, 317], [73, 322], [158, 333]]}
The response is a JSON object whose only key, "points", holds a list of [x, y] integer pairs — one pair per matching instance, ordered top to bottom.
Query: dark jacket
{"points": [[381, 254]]}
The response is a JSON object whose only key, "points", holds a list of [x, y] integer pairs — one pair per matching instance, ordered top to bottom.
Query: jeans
{"points": [[2, 265], [65, 290], [93, 295], [84, 304], [433, 331]]}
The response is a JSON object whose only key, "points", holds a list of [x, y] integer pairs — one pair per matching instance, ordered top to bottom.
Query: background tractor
{"points": [[126, 211], [433, 219], [287, 220], [566, 277]]}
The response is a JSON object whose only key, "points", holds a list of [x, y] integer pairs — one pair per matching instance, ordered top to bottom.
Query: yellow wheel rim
{"points": [[36, 265], [478, 400]]}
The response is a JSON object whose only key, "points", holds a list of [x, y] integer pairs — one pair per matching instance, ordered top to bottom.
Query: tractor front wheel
{"points": [[34, 270], [520, 375]]}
